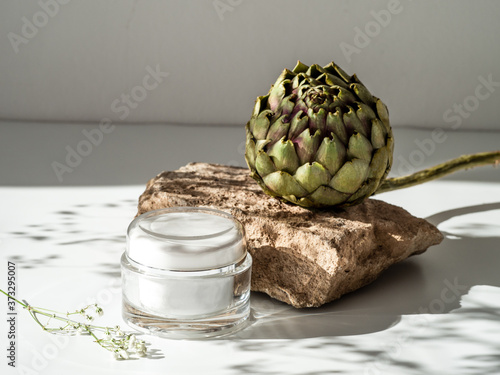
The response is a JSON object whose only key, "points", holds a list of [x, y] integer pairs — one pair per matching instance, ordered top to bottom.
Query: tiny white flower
{"points": [[99, 311], [89, 318], [79, 330], [119, 333], [131, 342], [140, 348], [124, 354], [116, 355]]}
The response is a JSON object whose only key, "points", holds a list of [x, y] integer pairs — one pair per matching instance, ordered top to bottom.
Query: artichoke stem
{"points": [[440, 170]]}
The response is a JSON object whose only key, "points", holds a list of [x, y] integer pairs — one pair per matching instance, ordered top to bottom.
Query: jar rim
{"points": [[180, 209], [215, 245], [127, 262]]}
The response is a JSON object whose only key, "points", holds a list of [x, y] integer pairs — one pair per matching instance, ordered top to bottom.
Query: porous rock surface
{"points": [[303, 257]]}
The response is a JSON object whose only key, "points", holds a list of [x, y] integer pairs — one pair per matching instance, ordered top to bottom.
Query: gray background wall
{"points": [[421, 57], [177, 80]]}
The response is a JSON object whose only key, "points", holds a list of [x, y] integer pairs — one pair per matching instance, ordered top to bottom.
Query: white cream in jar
{"points": [[186, 273]]}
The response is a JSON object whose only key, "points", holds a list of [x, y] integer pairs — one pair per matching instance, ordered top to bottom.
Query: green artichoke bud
{"points": [[319, 138]]}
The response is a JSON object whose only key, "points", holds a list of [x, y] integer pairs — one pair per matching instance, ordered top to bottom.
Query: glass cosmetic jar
{"points": [[186, 273]]}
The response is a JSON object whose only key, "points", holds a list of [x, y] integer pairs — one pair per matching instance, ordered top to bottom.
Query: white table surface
{"points": [[67, 241]]}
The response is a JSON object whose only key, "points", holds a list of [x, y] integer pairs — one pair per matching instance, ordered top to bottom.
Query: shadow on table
{"points": [[432, 283]]}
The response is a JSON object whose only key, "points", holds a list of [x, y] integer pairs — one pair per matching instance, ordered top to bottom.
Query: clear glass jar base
{"points": [[226, 323]]}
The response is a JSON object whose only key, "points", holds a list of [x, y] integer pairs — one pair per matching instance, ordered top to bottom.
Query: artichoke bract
{"points": [[319, 138]]}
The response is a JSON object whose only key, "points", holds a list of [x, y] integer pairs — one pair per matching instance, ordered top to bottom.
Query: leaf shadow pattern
{"points": [[77, 228], [424, 295]]}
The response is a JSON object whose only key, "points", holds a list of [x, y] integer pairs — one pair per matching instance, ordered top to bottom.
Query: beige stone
{"points": [[303, 257]]}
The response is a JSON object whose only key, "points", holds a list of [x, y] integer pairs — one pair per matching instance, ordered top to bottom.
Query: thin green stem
{"points": [[440, 170], [19, 302], [37, 310], [48, 310], [33, 315], [62, 319], [97, 340], [114, 341]]}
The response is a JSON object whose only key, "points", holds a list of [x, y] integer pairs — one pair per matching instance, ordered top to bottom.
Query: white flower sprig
{"points": [[121, 345]]}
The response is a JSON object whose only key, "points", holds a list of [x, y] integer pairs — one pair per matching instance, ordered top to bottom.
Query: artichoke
{"points": [[319, 138]]}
